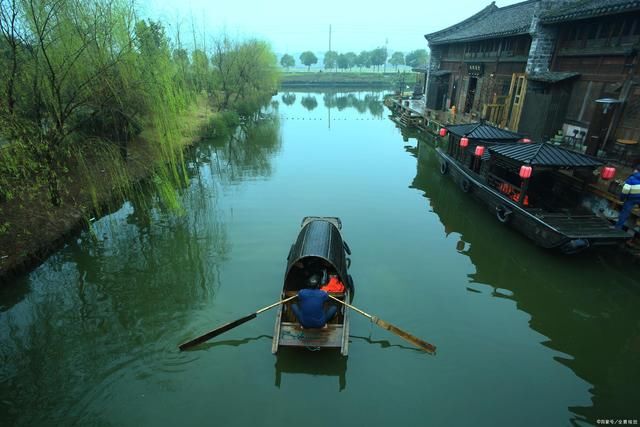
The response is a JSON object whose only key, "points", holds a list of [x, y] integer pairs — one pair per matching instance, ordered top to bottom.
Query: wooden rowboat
{"points": [[319, 246]]}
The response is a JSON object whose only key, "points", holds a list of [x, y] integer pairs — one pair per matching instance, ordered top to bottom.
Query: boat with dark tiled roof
{"points": [[536, 188]]}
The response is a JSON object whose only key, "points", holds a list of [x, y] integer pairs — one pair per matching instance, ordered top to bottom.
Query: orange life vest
{"points": [[334, 285]]}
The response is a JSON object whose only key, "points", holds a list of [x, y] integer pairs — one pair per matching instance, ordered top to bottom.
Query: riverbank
{"points": [[346, 79], [36, 228]]}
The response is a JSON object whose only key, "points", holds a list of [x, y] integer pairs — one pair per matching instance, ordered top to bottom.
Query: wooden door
{"points": [[515, 101]]}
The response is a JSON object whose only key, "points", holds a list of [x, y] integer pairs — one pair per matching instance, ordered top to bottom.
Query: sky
{"points": [[295, 26]]}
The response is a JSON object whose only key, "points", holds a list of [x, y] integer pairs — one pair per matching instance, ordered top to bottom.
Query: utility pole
{"points": [[329, 37], [384, 67]]}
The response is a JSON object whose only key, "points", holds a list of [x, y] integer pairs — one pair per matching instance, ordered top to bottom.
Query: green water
{"points": [[525, 337]]}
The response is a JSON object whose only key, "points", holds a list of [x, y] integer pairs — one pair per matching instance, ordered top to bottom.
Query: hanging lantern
{"points": [[443, 131], [525, 141], [464, 142], [479, 150], [525, 171], [608, 172]]}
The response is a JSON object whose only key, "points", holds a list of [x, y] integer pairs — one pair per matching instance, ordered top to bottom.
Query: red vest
{"points": [[334, 285]]}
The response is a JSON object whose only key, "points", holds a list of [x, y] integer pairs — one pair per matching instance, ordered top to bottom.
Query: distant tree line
{"points": [[366, 59], [77, 75]]}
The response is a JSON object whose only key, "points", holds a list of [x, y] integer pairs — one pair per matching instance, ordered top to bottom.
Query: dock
{"points": [[413, 114]]}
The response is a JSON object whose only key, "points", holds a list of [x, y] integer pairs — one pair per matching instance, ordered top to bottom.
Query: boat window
{"points": [[550, 191]]}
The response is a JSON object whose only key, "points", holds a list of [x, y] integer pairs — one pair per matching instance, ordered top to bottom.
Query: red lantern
{"points": [[443, 131], [525, 141], [464, 142], [479, 150], [525, 172], [608, 172]]}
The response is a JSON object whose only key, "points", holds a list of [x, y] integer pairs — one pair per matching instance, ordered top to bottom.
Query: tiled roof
{"points": [[582, 9], [490, 22], [440, 73], [552, 76], [483, 132], [543, 154]]}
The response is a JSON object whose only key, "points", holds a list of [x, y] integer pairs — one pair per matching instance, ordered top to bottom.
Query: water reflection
{"points": [[288, 98], [309, 102], [361, 102], [246, 153], [12, 295], [115, 300], [595, 323], [231, 343], [384, 344], [292, 360]]}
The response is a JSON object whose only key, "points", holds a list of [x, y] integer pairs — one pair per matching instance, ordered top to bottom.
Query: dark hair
{"points": [[636, 167], [313, 281]]}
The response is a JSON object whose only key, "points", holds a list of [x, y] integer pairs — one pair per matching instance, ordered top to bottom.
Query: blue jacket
{"points": [[631, 187], [311, 302]]}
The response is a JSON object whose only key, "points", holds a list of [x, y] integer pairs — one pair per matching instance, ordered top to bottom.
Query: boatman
{"points": [[631, 196], [310, 311]]}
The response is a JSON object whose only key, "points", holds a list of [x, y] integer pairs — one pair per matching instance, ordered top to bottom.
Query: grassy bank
{"points": [[389, 80], [34, 228]]}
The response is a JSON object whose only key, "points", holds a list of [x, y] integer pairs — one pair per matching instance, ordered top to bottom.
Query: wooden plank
{"points": [[508, 101], [588, 227], [276, 332], [291, 334], [344, 350]]}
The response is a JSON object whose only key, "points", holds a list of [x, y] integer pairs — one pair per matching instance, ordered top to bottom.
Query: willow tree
{"points": [[64, 51], [200, 71], [245, 74], [164, 101]]}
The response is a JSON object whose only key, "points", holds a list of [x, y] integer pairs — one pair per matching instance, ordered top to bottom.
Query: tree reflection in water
{"points": [[289, 98], [309, 102], [361, 103], [246, 153], [121, 294]]}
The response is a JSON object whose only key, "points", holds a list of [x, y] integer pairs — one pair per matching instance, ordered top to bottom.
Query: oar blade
{"points": [[216, 332], [429, 348]]}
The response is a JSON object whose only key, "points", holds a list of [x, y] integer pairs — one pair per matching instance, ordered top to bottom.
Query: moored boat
{"points": [[538, 189], [319, 249]]}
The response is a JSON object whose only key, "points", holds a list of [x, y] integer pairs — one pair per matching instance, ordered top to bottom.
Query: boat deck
{"points": [[570, 223], [580, 226], [292, 334]]}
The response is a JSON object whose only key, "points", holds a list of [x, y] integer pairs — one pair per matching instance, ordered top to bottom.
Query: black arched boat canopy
{"points": [[319, 244]]}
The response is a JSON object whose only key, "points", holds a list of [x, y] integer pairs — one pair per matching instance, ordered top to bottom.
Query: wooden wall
{"points": [[604, 51], [500, 57]]}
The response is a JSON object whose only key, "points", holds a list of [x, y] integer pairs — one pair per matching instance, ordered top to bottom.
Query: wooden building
{"points": [[598, 40], [478, 65], [539, 66]]}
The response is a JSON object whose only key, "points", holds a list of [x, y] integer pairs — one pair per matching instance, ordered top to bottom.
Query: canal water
{"points": [[525, 336]]}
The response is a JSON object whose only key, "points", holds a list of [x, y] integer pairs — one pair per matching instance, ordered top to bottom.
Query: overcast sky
{"points": [[296, 26]]}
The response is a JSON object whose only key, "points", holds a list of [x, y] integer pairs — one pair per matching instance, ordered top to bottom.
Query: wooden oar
{"points": [[228, 326], [429, 348]]}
